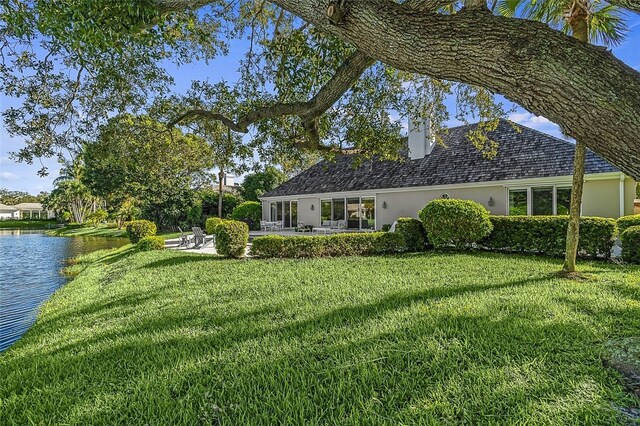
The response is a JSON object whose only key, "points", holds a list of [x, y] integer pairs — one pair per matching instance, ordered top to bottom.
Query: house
{"points": [[530, 175], [25, 211]]}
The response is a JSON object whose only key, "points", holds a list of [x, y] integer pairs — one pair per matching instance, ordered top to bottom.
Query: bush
{"points": [[249, 212], [97, 217], [628, 221], [455, 222], [211, 223], [138, 229], [413, 232], [548, 234], [232, 237], [150, 243], [631, 244], [271, 246]]}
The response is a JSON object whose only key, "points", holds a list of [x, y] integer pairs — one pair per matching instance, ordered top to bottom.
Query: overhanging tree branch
{"points": [[345, 77]]}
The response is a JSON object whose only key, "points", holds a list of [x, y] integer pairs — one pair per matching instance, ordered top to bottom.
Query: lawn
{"points": [[28, 224], [99, 231], [175, 338]]}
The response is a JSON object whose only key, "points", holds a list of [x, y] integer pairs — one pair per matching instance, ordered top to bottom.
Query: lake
{"points": [[30, 264]]}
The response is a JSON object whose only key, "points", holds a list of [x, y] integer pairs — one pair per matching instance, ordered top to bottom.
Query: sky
{"points": [[23, 177]]}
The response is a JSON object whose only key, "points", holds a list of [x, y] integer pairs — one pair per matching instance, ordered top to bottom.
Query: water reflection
{"points": [[30, 264]]}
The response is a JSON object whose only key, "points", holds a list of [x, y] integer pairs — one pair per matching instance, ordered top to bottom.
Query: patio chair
{"points": [[200, 238], [185, 239]]}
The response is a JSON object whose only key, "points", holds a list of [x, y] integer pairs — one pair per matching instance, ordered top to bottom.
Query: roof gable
{"points": [[521, 155]]}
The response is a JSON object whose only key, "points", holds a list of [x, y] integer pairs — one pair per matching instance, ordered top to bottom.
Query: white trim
{"points": [[511, 183], [621, 186]]}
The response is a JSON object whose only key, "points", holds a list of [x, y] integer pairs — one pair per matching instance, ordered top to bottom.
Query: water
{"points": [[30, 264]]}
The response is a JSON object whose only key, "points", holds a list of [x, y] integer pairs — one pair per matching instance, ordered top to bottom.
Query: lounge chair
{"points": [[185, 239], [201, 240]]}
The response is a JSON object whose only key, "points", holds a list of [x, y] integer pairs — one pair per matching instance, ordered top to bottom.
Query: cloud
{"points": [[537, 122], [9, 176]]}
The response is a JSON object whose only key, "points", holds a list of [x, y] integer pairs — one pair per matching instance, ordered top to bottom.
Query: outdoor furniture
{"points": [[271, 226], [323, 230], [200, 238], [185, 239]]}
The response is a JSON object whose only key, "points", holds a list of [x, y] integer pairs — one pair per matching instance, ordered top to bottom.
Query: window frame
{"points": [[529, 190]]}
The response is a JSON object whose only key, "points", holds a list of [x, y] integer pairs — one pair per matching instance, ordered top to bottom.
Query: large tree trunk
{"points": [[578, 17], [573, 229]]}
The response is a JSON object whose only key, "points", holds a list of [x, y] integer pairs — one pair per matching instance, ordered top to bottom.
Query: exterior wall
{"points": [[629, 195], [601, 198], [408, 203], [266, 212], [305, 214], [8, 215]]}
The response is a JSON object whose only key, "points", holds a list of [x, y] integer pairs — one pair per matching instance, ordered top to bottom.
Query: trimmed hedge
{"points": [[249, 212], [628, 221], [455, 222], [211, 223], [138, 229], [413, 232], [547, 235], [232, 237], [150, 243], [631, 244], [328, 246]]}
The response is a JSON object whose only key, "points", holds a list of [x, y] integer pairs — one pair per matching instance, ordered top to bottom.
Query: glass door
{"points": [[294, 213], [353, 213], [287, 214]]}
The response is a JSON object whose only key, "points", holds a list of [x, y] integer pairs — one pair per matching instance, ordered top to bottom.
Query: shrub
{"points": [[249, 212], [97, 217], [628, 221], [455, 222], [211, 223], [386, 227], [138, 229], [413, 232], [547, 235], [232, 237], [150, 243], [631, 244], [271, 246]]}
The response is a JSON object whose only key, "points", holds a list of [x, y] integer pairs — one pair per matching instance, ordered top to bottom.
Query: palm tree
{"points": [[587, 21]]}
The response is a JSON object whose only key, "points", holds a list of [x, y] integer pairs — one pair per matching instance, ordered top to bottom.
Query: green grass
{"points": [[27, 224], [100, 231], [175, 338]]}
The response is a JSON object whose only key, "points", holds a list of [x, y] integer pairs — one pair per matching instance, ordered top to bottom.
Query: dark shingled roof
{"points": [[521, 155]]}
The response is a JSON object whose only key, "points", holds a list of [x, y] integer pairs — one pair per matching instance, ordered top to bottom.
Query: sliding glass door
{"points": [[285, 211], [359, 212]]}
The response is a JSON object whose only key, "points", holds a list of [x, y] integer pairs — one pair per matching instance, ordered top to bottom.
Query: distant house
{"points": [[531, 175], [25, 211]]}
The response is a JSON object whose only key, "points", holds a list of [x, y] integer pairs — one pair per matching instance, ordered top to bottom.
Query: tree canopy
{"points": [[317, 76], [258, 183]]}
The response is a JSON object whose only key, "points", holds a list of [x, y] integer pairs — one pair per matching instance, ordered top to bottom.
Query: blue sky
{"points": [[23, 177]]}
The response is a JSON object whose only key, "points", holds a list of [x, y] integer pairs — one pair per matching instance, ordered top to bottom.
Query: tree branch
{"points": [[632, 5], [346, 76]]}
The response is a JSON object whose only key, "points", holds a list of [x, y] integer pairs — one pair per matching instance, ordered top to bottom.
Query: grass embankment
{"points": [[28, 224], [100, 231], [176, 338]]}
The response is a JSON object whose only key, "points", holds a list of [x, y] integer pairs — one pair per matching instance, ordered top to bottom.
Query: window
{"points": [[563, 200], [542, 201], [518, 202], [338, 209], [325, 210], [274, 211], [279, 211], [294, 213], [353, 213], [287, 214], [368, 214]]}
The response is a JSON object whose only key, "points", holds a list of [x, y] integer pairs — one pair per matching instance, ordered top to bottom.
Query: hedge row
{"points": [[628, 221], [413, 233], [547, 235], [631, 244], [271, 246]]}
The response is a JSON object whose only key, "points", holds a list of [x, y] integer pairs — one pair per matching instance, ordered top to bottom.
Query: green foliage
{"points": [[136, 157], [256, 184], [16, 197], [209, 200], [250, 211], [126, 212], [97, 217], [455, 222], [625, 222], [211, 223], [386, 227], [139, 229], [413, 233], [547, 235], [232, 237], [150, 243], [631, 244], [271, 246]]}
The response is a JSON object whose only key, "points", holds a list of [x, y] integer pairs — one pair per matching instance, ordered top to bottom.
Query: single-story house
{"points": [[530, 175], [25, 211]]}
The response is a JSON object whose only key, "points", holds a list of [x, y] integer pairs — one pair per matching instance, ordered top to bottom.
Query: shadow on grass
{"points": [[182, 259]]}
